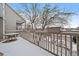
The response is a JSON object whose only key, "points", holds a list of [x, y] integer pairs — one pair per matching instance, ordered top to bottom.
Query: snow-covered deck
{"points": [[21, 47]]}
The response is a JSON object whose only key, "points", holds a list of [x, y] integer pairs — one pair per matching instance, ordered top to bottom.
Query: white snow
{"points": [[21, 47]]}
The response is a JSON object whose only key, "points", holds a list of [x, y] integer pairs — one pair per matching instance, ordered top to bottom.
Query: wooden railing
{"points": [[57, 43]]}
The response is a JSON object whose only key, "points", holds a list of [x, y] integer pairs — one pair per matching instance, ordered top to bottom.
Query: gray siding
{"points": [[11, 19], [10, 23]]}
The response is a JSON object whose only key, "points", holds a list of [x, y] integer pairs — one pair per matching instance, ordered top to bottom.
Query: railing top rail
{"points": [[60, 32], [70, 32]]}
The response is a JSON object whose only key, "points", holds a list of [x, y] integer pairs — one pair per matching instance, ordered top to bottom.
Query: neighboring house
{"points": [[10, 20]]}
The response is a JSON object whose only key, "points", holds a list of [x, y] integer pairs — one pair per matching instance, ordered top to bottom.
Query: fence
{"points": [[57, 43]]}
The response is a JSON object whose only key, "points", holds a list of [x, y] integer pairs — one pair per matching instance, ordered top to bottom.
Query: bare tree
{"points": [[31, 12], [46, 16], [54, 16]]}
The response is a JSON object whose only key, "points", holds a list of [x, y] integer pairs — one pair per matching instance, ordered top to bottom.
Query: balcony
{"points": [[21, 47]]}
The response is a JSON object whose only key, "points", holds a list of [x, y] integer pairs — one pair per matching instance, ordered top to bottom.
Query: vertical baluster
{"points": [[77, 37], [33, 38], [38, 39], [41, 40], [48, 42], [51, 43], [54, 43], [57, 44], [61, 44], [65, 45], [70, 45]]}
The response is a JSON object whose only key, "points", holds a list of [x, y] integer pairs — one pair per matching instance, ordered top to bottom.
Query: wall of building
{"points": [[11, 19]]}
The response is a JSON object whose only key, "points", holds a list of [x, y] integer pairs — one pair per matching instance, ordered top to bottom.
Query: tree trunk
{"points": [[43, 27]]}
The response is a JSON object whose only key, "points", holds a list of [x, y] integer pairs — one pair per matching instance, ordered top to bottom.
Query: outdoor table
{"points": [[11, 35]]}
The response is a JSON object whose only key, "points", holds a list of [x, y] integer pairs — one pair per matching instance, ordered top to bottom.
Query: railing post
{"points": [[33, 37], [38, 39], [51, 43], [54, 43], [57, 44], [61, 44], [65, 45], [70, 45], [77, 45]]}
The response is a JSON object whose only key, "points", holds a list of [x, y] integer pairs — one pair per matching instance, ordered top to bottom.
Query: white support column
{"points": [[3, 20]]}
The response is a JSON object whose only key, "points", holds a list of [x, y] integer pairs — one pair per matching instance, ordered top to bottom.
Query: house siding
{"points": [[11, 19]]}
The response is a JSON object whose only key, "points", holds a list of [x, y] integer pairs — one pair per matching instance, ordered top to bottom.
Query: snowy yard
{"points": [[21, 47]]}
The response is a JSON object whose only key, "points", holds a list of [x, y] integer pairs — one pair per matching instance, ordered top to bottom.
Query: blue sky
{"points": [[67, 6]]}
